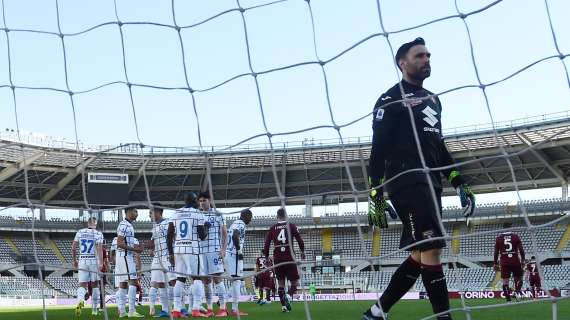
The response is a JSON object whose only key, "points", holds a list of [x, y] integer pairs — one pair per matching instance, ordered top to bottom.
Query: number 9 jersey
{"points": [[186, 221]]}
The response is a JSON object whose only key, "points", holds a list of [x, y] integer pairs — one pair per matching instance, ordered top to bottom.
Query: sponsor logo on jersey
{"points": [[412, 102], [379, 114], [430, 117], [431, 129], [428, 234]]}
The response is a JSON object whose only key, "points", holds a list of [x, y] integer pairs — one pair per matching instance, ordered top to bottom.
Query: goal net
{"points": [[149, 79]]}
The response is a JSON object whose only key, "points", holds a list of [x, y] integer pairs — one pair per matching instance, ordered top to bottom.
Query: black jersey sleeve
{"points": [[384, 126], [446, 159]]}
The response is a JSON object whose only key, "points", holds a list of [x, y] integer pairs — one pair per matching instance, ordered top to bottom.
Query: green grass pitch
{"points": [[408, 310]]}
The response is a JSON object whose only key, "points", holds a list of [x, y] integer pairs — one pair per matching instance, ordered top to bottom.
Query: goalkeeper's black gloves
{"points": [[466, 196], [378, 206]]}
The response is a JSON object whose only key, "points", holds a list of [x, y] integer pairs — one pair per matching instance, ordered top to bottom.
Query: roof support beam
{"points": [[544, 159], [14, 168], [363, 168], [486, 172], [283, 173], [207, 175], [66, 180], [133, 182]]}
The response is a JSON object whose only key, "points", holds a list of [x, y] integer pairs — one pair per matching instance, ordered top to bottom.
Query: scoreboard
{"points": [[107, 189]]}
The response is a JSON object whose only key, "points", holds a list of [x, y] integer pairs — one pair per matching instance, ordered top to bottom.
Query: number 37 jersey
{"points": [[186, 221], [281, 239], [87, 240]]}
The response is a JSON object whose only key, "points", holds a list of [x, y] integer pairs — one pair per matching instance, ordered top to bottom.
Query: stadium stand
{"points": [[342, 240], [6, 253], [44, 254], [67, 285], [22, 287]]}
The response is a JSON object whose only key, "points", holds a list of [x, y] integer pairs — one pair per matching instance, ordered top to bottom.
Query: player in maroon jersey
{"points": [[281, 234], [508, 246], [105, 268], [533, 276], [265, 279], [270, 289]]}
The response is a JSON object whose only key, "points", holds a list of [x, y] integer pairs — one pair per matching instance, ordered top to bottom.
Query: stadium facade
{"points": [[311, 174]]}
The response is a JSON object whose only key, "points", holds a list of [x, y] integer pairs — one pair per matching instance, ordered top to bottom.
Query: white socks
{"points": [[208, 288], [236, 288], [197, 290], [221, 292], [81, 294], [152, 295], [163, 295], [179, 295], [171, 296], [95, 298], [132, 299], [122, 300]]}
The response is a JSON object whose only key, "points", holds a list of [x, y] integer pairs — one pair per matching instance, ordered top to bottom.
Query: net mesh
{"points": [[338, 125]]}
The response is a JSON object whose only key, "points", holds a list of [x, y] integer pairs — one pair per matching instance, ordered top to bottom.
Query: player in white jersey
{"points": [[185, 231], [89, 241], [214, 251], [234, 257], [113, 260], [125, 266], [138, 267], [161, 269]]}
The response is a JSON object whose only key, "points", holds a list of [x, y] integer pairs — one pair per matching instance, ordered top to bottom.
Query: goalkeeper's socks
{"points": [[400, 283], [436, 287], [281, 293]]}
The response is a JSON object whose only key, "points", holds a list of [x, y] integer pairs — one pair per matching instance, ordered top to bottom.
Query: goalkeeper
{"points": [[394, 152]]}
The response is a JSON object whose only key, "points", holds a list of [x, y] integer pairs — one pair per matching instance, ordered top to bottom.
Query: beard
{"points": [[421, 73]]}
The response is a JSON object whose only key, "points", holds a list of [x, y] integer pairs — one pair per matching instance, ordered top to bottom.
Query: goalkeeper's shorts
{"points": [[415, 207]]}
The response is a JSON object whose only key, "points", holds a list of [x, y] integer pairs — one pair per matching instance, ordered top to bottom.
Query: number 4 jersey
{"points": [[281, 239], [87, 240], [509, 246]]}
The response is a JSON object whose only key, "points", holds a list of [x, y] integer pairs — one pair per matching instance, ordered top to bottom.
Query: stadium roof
{"points": [[538, 148]]}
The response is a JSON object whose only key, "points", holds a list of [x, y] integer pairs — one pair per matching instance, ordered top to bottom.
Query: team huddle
{"points": [[194, 244]]}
